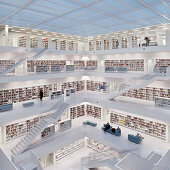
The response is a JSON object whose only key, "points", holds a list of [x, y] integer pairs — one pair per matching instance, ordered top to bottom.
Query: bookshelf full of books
{"points": [[23, 41], [34, 42], [45, 42], [124, 42], [134, 42], [115, 43], [106, 44], [63, 45], [71, 45], [91, 45], [98, 45], [4, 64], [92, 64], [45, 65], [79, 65], [131, 65], [161, 66], [78, 85], [96, 86], [148, 93], [23, 94], [77, 111], [93, 111], [141, 124], [19, 129]]}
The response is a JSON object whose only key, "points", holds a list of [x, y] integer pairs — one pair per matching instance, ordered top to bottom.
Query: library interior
{"points": [[84, 84]]}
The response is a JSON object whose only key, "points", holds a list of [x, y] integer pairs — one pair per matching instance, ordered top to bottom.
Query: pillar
{"points": [[6, 35], [168, 37], [94, 40], [28, 41], [129, 41], [39, 42], [49, 42], [120, 42], [110, 43], [58, 44], [102, 44], [67, 45], [75, 45]]}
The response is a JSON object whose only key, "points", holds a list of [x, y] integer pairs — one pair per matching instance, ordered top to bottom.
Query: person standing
{"points": [[41, 94]]}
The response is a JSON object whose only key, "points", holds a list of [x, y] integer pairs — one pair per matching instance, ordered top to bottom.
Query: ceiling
{"points": [[84, 17]]}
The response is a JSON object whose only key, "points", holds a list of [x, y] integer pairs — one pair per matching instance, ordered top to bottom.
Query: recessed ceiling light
{"points": [[22, 29], [17, 31], [28, 32], [49, 35]]}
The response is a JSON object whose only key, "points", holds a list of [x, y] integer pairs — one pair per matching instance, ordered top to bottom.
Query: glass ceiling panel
{"points": [[86, 1], [151, 1], [13, 2], [65, 3], [132, 3], [117, 5], [7, 7], [44, 9], [107, 9], [163, 9], [149, 12], [82, 13], [71, 16]]}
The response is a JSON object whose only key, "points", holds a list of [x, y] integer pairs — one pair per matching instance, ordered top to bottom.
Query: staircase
{"points": [[21, 61], [149, 79], [35, 132]]}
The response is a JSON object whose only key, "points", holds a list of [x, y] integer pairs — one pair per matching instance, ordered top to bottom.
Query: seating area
{"points": [[28, 104], [6, 107], [90, 123], [116, 132], [135, 138]]}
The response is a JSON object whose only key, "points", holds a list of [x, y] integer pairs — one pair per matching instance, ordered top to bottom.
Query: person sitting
{"points": [[107, 126], [119, 129], [113, 130], [140, 136]]}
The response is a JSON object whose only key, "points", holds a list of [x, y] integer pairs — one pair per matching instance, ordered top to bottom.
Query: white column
{"points": [[6, 35], [168, 37], [94, 40], [28, 41], [129, 41], [39, 42], [49, 42], [120, 42], [110, 43], [58, 44], [102, 44], [75, 45], [67, 46], [145, 65]]}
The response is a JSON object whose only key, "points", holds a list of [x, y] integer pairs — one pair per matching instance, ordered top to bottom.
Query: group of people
{"points": [[113, 129]]}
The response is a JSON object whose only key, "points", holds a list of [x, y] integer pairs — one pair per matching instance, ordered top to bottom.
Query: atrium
{"points": [[84, 84]]}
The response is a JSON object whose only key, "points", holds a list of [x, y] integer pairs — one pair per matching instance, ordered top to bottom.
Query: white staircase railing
{"points": [[22, 60], [150, 78], [35, 132]]}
